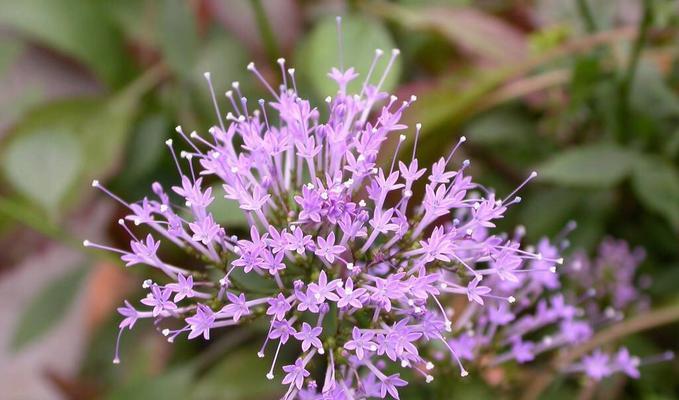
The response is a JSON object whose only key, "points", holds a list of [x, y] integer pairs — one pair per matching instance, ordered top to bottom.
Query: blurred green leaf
{"points": [[137, 19], [78, 28], [179, 37], [361, 37], [9, 51], [651, 95], [500, 127], [83, 137], [146, 147], [43, 165], [596, 165], [656, 184], [225, 211], [253, 282], [47, 307], [240, 376], [175, 384]]}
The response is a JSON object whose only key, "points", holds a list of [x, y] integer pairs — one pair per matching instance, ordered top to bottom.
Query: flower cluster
{"points": [[335, 227], [555, 312]]}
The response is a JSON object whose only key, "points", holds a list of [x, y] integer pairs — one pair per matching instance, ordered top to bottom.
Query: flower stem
{"points": [[270, 45], [653, 319]]}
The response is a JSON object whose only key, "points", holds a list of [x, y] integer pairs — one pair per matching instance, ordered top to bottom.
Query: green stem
{"points": [[586, 14], [270, 45], [630, 72]]}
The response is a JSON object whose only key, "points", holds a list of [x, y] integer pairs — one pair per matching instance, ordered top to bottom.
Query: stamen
{"points": [[340, 43], [394, 54], [378, 55], [281, 62], [253, 69], [291, 71], [229, 95], [214, 100], [266, 119], [418, 127], [186, 138], [401, 139], [168, 142], [459, 142], [530, 177], [96, 184], [121, 222], [87, 243], [116, 358], [269, 376]]}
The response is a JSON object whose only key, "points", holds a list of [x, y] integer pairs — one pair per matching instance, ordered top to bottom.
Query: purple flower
{"points": [[344, 237], [297, 241], [327, 249], [183, 287], [323, 289], [475, 292], [348, 296], [159, 299], [238, 306], [278, 306], [131, 316], [201, 322], [281, 330], [309, 337], [360, 343], [627, 363], [597, 365], [295, 374], [389, 385]]}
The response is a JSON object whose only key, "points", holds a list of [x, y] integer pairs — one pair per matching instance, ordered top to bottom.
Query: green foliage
{"points": [[79, 29], [179, 36], [598, 165], [43, 173], [656, 183], [48, 307], [238, 376]]}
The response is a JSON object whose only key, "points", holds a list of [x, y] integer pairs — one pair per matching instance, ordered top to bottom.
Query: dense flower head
{"points": [[336, 228]]}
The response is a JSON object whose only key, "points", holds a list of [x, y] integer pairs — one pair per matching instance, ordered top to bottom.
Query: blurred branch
{"points": [[526, 86], [653, 319]]}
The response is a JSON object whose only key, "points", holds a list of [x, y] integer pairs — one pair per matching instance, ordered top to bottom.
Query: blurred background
{"points": [[584, 91]]}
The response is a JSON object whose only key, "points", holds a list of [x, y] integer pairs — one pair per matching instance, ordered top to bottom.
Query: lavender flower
{"points": [[339, 234]]}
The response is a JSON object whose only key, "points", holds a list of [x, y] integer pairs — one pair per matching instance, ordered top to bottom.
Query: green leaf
{"points": [[78, 28], [179, 37], [361, 37], [652, 95], [500, 127], [85, 137], [146, 147], [43, 165], [598, 165], [656, 184], [47, 307], [241, 375], [175, 384]]}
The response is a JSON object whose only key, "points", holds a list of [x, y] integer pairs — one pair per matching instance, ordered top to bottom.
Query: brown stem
{"points": [[653, 319]]}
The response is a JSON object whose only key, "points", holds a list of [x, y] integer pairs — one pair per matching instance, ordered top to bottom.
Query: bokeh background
{"points": [[584, 91]]}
